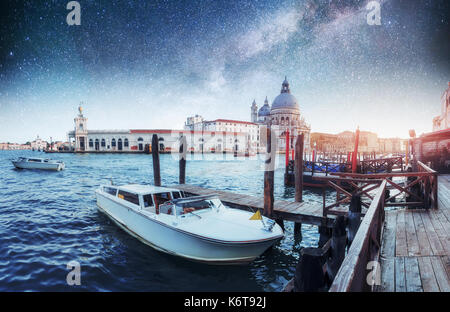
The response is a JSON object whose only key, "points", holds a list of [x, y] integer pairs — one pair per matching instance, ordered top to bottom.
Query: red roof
{"points": [[233, 121], [166, 131]]}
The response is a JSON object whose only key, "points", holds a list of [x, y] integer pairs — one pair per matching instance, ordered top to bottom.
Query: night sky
{"points": [[150, 64]]}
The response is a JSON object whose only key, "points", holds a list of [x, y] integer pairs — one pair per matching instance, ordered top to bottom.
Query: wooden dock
{"points": [[285, 210], [415, 250]]}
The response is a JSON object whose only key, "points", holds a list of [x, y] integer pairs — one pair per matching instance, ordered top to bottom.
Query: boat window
{"points": [[35, 160], [110, 190], [176, 195], [130, 197], [161, 198], [148, 200], [167, 208]]}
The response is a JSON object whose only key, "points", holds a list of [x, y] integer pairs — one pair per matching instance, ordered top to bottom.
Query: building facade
{"points": [[282, 117], [442, 121], [246, 129], [210, 139], [344, 142], [38, 144]]}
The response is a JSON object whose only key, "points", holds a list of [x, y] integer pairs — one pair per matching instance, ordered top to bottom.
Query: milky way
{"points": [[149, 64]]}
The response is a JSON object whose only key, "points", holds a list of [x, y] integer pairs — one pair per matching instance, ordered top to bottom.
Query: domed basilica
{"points": [[284, 115]]}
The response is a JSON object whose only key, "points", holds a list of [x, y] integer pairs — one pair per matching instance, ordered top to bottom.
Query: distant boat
{"points": [[38, 163], [198, 228]]}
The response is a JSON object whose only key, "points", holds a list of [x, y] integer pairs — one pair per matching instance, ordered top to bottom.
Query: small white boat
{"points": [[38, 163], [198, 228]]}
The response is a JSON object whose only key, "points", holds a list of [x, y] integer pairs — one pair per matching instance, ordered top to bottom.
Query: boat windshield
{"points": [[194, 206]]}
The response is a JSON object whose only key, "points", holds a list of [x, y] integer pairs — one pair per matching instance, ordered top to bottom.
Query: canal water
{"points": [[48, 219]]}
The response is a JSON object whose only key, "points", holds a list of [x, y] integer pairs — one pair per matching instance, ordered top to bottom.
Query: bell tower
{"points": [[285, 86], [254, 112], [80, 130]]}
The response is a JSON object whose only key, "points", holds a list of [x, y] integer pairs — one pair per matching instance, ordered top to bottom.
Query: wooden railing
{"points": [[381, 165], [321, 167], [429, 186], [420, 187], [346, 188], [353, 273]]}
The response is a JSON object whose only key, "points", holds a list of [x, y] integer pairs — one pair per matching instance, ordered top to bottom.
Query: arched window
{"points": [[140, 139], [161, 139], [113, 142], [125, 142], [91, 143], [103, 143]]}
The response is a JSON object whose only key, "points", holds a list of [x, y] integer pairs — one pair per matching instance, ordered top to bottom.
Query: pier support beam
{"points": [[155, 157], [354, 218], [337, 247], [309, 273]]}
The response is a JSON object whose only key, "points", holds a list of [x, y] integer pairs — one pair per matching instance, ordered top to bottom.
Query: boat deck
{"points": [[286, 210], [415, 250]]}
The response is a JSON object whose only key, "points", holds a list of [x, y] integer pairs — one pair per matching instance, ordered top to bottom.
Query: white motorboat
{"points": [[38, 163], [199, 228]]}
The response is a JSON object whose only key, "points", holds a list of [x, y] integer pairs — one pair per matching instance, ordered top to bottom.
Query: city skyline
{"points": [[141, 65]]}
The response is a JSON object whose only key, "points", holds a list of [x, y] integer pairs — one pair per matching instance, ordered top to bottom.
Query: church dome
{"points": [[285, 100], [265, 109]]}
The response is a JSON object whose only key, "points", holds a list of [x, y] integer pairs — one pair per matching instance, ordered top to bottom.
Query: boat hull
{"points": [[38, 165], [174, 241]]}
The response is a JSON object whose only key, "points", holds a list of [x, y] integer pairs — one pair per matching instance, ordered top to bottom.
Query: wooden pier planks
{"points": [[286, 210], [415, 253]]}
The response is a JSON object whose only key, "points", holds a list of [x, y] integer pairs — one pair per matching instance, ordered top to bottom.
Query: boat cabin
{"points": [[37, 160], [146, 197], [162, 200], [191, 205]]}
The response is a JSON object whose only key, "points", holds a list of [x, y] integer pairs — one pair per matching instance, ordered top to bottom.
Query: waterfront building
{"points": [[283, 116], [442, 121], [248, 129], [210, 139], [344, 142], [38, 144], [14, 146], [433, 148]]}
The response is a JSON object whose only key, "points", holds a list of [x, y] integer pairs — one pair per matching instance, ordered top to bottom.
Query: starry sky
{"points": [[151, 63]]}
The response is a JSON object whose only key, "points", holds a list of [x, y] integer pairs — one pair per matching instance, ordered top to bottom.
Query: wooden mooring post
{"points": [[182, 156], [155, 157], [269, 167], [298, 173], [317, 267]]}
